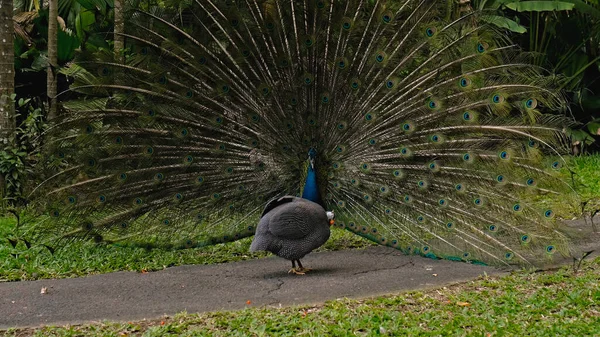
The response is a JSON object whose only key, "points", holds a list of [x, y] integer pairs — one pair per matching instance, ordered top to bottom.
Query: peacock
{"points": [[419, 126], [292, 227]]}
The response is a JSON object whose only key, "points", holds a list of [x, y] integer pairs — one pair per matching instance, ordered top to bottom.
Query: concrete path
{"points": [[127, 296], [132, 296]]}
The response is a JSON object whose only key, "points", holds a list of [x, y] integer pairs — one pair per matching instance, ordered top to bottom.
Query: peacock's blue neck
{"points": [[311, 191]]}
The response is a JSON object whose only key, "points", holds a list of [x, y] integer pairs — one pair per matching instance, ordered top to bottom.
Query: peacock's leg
{"points": [[302, 269], [297, 271]]}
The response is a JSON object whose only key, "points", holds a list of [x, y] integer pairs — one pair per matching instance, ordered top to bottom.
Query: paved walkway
{"points": [[126, 296]]}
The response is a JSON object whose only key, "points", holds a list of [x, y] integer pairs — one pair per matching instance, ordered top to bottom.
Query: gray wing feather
{"points": [[277, 202], [297, 219]]}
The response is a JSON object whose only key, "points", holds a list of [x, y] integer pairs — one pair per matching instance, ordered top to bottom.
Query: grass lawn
{"points": [[586, 183], [558, 303]]}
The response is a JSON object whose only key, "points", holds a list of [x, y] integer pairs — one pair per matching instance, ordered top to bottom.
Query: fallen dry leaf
{"points": [[463, 304]]}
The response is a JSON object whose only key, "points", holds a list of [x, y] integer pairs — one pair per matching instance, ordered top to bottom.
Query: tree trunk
{"points": [[119, 30], [52, 58], [7, 72], [7, 79]]}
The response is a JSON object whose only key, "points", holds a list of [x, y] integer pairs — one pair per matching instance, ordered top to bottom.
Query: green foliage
{"points": [[540, 6], [86, 17], [503, 21], [83, 24], [564, 37], [31, 54], [594, 127], [30, 131], [16, 159], [12, 167], [560, 303]]}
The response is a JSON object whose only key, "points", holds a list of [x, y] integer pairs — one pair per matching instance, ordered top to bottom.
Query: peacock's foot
{"points": [[299, 270]]}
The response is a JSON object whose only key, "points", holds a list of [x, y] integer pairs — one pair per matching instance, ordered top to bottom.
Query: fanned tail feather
{"points": [[430, 133]]}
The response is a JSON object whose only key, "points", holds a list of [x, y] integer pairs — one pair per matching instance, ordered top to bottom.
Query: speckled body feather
{"points": [[432, 131], [292, 229]]}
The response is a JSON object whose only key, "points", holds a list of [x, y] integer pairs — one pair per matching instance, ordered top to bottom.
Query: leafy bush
{"points": [[18, 158]]}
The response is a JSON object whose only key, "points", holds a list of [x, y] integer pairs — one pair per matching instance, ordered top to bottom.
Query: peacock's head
{"points": [[331, 217]]}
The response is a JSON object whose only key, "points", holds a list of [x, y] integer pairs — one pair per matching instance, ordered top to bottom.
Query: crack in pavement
{"points": [[280, 283]]}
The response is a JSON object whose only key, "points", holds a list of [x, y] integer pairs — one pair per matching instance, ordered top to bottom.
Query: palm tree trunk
{"points": [[119, 29], [52, 58], [7, 72], [7, 79]]}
